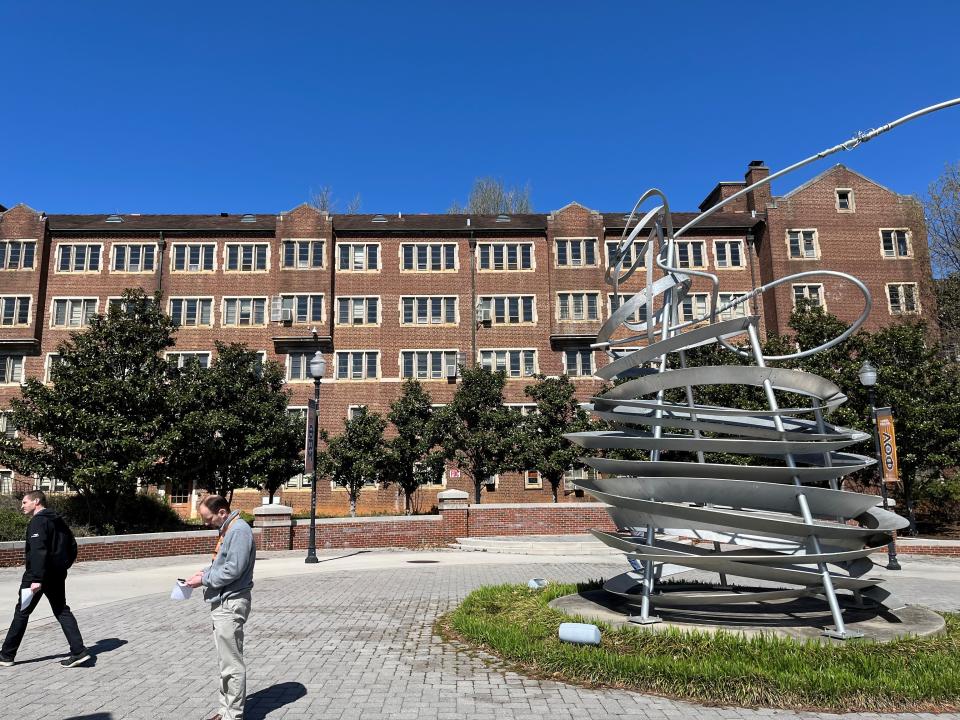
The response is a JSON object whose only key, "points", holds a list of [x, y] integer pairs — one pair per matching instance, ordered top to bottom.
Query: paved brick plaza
{"points": [[350, 643]]}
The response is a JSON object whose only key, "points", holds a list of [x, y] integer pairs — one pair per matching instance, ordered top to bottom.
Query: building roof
{"points": [[828, 171], [730, 220], [155, 223], [377, 223]]}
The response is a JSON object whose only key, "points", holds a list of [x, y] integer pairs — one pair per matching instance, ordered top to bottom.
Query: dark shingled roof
{"points": [[731, 220], [440, 222], [143, 223]]}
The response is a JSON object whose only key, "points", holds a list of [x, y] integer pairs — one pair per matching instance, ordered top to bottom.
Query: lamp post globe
{"points": [[318, 366], [868, 378]]}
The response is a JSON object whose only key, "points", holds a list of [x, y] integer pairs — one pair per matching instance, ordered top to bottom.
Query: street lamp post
{"points": [[318, 365], [868, 378]]}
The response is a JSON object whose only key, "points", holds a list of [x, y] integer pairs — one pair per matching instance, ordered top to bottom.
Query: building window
{"points": [[845, 200], [896, 243], [803, 244], [576, 252], [690, 253], [728, 253], [17, 254], [303, 254], [358, 256], [505, 256], [194, 257], [246, 257], [421, 257], [629, 257], [78, 258], [133, 258], [812, 294], [902, 298], [578, 306], [694, 306], [303, 308], [509, 309], [15, 310], [428, 310], [244, 311], [358, 311], [736, 311], [73, 312], [191, 312], [637, 316], [53, 359], [180, 359], [515, 363], [578, 363], [428, 364], [358, 365], [298, 366], [11, 369], [7, 428], [572, 476], [531, 479], [6, 482], [49, 485], [179, 493]]}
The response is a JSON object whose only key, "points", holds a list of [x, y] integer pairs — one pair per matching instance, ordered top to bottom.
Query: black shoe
{"points": [[78, 659], [5, 661]]}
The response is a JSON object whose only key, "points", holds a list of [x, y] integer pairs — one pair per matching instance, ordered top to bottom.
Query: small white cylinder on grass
{"points": [[537, 583], [580, 633]]}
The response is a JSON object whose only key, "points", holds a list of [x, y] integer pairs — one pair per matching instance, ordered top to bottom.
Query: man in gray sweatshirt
{"points": [[226, 587]]}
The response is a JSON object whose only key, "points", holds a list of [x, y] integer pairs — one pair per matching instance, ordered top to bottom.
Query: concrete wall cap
{"points": [[453, 495], [272, 510]]}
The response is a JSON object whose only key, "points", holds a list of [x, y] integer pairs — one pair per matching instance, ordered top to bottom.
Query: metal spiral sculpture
{"points": [[788, 519]]}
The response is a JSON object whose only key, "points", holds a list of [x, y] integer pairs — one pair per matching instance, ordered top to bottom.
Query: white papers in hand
{"points": [[181, 591], [26, 597]]}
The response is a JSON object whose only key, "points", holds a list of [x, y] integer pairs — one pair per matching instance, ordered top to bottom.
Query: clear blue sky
{"points": [[245, 106]]}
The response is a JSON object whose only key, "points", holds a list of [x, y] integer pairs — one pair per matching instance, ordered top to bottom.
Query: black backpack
{"points": [[64, 545]]}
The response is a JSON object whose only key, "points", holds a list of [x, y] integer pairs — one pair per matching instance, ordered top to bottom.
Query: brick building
{"points": [[386, 297]]}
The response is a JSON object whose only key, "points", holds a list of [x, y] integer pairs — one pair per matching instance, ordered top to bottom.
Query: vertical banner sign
{"points": [[311, 441], [888, 445]]}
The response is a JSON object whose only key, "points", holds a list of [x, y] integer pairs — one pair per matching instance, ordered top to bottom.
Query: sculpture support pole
{"points": [[840, 630]]}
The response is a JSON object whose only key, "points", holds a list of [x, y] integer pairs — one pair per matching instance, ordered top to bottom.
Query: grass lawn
{"points": [[919, 675]]}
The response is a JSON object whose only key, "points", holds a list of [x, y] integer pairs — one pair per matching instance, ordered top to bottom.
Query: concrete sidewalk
{"points": [[350, 638]]}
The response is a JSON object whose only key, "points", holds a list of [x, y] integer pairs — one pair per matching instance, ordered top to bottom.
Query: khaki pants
{"points": [[229, 618]]}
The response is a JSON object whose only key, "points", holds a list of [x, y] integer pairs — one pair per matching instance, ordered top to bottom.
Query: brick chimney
{"points": [[758, 199]]}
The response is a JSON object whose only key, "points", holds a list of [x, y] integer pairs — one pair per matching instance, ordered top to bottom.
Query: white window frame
{"points": [[851, 203], [582, 241], [23, 242], [728, 242], [688, 244], [802, 244], [127, 245], [240, 245], [896, 247], [487, 248], [610, 248], [311, 254], [366, 257], [429, 263], [186, 264], [86, 270], [624, 297], [821, 297], [902, 298], [199, 299], [238, 300], [350, 300], [444, 302], [490, 302], [17, 303], [584, 305], [311, 306], [699, 307], [730, 313], [84, 320], [430, 352], [182, 355], [48, 363], [493, 364], [8, 367], [378, 369], [580, 373], [6, 425], [571, 475], [6, 481], [537, 484]]}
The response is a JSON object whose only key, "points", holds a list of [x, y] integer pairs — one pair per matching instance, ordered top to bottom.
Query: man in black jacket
{"points": [[50, 550]]}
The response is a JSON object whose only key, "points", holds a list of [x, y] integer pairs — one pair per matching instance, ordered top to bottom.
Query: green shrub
{"points": [[138, 513], [13, 524]]}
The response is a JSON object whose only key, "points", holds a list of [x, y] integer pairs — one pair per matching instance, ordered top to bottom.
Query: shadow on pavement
{"points": [[99, 647], [265, 701], [94, 716]]}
